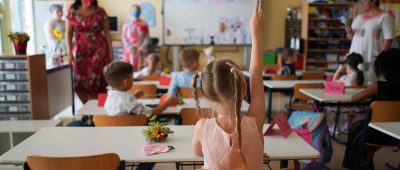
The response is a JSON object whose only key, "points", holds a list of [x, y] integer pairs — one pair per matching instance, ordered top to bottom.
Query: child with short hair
{"points": [[189, 59], [288, 62], [152, 68], [349, 73], [119, 102], [228, 139]]}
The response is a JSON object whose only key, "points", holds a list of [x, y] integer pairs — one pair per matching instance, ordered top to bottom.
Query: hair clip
{"points": [[360, 66], [232, 69]]}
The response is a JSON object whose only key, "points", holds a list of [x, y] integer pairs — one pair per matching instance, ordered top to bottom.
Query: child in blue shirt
{"points": [[189, 60]]}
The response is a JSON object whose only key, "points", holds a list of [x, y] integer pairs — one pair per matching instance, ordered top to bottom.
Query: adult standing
{"points": [[371, 33], [55, 35], [135, 36], [89, 47]]}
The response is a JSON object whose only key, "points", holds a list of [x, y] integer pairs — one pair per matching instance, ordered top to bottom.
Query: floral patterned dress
{"points": [[135, 34], [90, 51]]}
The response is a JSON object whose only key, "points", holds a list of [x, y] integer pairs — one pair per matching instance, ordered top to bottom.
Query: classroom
{"points": [[199, 84]]}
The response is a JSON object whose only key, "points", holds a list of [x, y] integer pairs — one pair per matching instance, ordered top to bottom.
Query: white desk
{"points": [[268, 76], [157, 83], [287, 84], [282, 86], [321, 96], [323, 99], [91, 108], [389, 128], [13, 132], [127, 142]]}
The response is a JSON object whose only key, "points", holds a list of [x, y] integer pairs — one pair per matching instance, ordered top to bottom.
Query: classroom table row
{"points": [[127, 142]]}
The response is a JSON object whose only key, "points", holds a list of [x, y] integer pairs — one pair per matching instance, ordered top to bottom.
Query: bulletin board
{"points": [[207, 22]]}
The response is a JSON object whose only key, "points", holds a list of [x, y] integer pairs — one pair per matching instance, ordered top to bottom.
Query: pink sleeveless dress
{"points": [[220, 153]]}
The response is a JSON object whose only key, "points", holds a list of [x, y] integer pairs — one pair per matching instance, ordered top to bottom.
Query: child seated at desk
{"points": [[189, 60], [288, 62], [152, 68], [386, 68], [349, 73], [119, 76]]}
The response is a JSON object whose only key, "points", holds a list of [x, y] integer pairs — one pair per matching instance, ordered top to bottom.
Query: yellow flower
{"points": [[58, 34]]}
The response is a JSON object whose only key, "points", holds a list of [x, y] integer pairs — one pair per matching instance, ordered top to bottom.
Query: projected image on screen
{"points": [[207, 22]]}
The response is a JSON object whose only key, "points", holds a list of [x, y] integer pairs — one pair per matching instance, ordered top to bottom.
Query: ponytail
{"points": [[360, 77], [196, 96], [237, 99]]}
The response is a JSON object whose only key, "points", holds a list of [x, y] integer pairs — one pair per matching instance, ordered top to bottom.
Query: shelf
{"points": [[332, 4], [324, 19], [326, 28], [328, 39], [328, 50], [323, 62]]}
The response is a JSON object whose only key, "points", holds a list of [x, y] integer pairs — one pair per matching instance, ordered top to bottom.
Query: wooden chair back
{"points": [[313, 76], [283, 77], [151, 78], [150, 90], [186, 92], [300, 96], [385, 111], [189, 116], [123, 120], [109, 161]]}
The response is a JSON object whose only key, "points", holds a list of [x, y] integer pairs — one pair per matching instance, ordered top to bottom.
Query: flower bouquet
{"points": [[20, 41], [58, 51], [156, 131]]}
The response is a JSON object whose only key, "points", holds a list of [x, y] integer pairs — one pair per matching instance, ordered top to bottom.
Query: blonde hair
{"points": [[188, 56], [221, 81]]}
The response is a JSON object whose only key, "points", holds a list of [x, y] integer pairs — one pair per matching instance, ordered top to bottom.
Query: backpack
{"points": [[312, 127]]}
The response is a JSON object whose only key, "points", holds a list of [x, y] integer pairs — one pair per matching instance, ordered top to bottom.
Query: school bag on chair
{"points": [[312, 127]]}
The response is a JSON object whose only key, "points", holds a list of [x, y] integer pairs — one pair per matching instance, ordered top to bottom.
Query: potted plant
{"points": [[20, 41], [156, 131]]}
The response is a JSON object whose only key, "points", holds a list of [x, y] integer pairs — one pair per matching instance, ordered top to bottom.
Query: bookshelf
{"points": [[324, 35]]}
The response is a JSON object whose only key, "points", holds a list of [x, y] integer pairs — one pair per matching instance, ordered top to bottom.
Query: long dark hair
{"points": [[78, 3], [353, 60], [387, 65]]}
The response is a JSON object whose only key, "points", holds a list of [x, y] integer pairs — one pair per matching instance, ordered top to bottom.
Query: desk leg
{"points": [[269, 112], [336, 126], [11, 140]]}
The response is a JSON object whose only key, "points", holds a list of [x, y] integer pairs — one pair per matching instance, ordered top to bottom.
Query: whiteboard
{"points": [[207, 22]]}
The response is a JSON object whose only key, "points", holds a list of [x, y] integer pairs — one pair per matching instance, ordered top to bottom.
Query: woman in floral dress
{"points": [[135, 36], [89, 47]]}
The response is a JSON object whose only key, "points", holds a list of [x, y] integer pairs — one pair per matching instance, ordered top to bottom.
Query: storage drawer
{"points": [[13, 65], [13, 76], [14, 97], [14, 108], [15, 116]]}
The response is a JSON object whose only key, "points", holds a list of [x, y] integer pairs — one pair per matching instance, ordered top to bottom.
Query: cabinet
{"points": [[324, 34], [23, 87]]}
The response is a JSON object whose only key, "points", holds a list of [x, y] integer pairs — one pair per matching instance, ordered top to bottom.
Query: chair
{"points": [[313, 76], [283, 77], [151, 78], [150, 90], [186, 92], [302, 99], [382, 111], [188, 116], [123, 120], [109, 161]]}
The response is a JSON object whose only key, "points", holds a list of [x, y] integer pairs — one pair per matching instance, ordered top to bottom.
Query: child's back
{"points": [[189, 60], [221, 149]]}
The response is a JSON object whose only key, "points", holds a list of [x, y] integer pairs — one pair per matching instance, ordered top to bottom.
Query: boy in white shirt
{"points": [[119, 102]]}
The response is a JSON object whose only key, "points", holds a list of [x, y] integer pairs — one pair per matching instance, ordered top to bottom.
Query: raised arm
{"points": [[257, 106]]}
